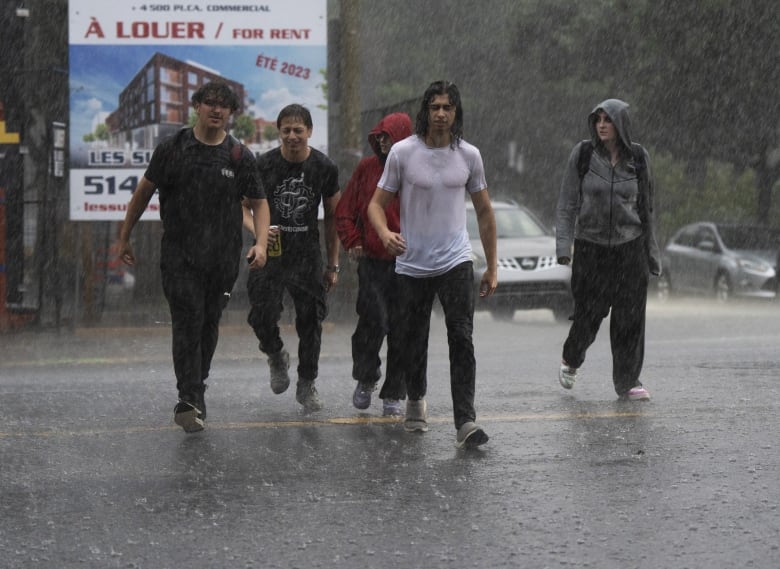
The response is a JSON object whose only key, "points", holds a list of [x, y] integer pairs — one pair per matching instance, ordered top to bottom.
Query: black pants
{"points": [[608, 279], [303, 281], [455, 290], [196, 299], [376, 308]]}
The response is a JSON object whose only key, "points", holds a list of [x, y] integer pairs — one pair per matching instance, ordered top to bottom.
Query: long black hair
{"points": [[441, 88]]}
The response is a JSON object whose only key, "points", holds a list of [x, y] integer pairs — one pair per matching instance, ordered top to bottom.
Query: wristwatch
{"points": [[332, 269]]}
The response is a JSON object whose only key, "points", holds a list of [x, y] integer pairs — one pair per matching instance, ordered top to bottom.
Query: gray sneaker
{"points": [[279, 363], [306, 395], [392, 408], [416, 416], [188, 417], [470, 435]]}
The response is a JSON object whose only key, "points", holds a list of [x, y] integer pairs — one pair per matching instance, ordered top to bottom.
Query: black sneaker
{"points": [[279, 363], [200, 404], [188, 417], [470, 436]]}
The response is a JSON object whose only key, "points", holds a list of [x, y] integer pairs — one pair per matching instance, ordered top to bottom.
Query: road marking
{"points": [[43, 362], [360, 420]]}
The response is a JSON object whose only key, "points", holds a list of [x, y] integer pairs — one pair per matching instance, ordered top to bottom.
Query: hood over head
{"points": [[617, 111], [397, 125]]}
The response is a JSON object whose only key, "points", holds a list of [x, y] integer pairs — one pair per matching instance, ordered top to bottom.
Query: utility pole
{"points": [[344, 112], [351, 136], [345, 138]]}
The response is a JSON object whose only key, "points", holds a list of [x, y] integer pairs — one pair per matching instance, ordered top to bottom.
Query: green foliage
{"points": [[324, 86], [699, 90], [244, 127], [101, 131], [270, 133], [722, 195]]}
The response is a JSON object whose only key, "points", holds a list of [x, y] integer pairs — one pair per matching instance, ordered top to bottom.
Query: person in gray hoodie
{"points": [[605, 217]]}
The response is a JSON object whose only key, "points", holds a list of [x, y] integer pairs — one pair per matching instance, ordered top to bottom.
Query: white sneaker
{"points": [[567, 375], [637, 393]]}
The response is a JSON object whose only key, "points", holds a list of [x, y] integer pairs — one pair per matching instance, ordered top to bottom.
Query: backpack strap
{"points": [[236, 149], [586, 151], [583, 160], [639, 162], [645, 206]]}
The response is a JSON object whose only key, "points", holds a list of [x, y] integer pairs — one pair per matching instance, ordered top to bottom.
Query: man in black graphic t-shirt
{"points": [[202, 175], [296, 178]]}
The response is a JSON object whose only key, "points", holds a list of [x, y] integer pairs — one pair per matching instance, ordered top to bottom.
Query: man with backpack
{"points": [[202, 174], [605, 215]]}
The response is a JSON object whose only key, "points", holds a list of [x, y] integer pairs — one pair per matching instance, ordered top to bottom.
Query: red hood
{"points": [[397, 125]]}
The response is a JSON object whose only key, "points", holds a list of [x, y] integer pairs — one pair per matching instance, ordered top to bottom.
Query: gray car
{"points": [[724, 260], [529, 275]]}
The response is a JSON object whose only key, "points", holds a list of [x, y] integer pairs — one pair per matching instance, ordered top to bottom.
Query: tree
{"points": [[713, 71], [701, 77], [324, 87], [244, 128], [101, 131], [270, 133]]}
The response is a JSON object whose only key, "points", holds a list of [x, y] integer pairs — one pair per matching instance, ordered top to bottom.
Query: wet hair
{"points": [[441, 88], [217, 91], [295, 111], [625, 153]]}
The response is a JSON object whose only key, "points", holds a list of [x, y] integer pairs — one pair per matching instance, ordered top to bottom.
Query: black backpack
{"points": [[586, 151]]}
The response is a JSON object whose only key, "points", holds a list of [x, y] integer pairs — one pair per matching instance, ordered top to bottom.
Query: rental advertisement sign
{"points": [[135, 65]]}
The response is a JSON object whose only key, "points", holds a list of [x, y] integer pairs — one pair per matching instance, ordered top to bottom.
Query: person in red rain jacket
{"points": [[376, 271]]}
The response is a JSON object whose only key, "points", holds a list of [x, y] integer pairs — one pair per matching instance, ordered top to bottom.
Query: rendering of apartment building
{"points": [[156, 102]]}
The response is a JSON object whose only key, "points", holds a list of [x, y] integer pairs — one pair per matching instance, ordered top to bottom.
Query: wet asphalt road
{"points": [[94, 473]]}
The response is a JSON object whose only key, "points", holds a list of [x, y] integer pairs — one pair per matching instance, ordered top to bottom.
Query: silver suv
{"points": [[529, 275]]}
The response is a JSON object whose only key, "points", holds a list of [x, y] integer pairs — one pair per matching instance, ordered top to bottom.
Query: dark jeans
{"points": [[603, 280], [303, 282], [455, 290], [196, 299], [376, 303]]}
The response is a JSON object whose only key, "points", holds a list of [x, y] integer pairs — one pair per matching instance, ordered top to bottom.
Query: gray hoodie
{"points": [[606, 210]]}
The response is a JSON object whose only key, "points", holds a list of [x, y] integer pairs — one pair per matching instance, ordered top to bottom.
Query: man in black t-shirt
{"points": [[202, 175], [296, 178]]}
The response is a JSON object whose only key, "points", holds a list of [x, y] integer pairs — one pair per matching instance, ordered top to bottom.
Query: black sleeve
{"points": [[161, 156], [249, 176], [331, 186]]}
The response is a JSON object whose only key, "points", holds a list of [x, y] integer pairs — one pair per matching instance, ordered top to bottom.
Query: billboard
{"points": [[134, 66]]}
